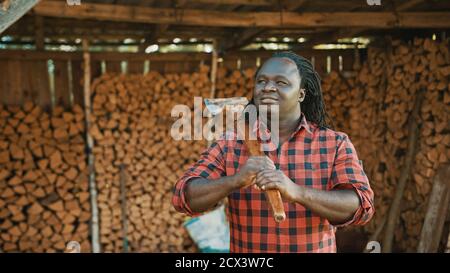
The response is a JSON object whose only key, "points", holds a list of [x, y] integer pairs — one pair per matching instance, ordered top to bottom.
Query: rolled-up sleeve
{"points": [[211, 165], [348, 173]]}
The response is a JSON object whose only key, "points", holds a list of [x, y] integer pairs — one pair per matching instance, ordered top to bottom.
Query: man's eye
{"points": [[261, 81], [281, 83]]}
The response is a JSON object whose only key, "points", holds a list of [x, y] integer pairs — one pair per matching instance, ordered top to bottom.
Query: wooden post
{"points": [[11, 12], [39, 32], [153, 38], [356, 60], [214, 69], [213, 75], [90, 143], [123, 204], [394, 211], [436, 215], [376, 234]]}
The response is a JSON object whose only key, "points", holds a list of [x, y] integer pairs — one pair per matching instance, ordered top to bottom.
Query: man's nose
{"points": [[270, 87]]}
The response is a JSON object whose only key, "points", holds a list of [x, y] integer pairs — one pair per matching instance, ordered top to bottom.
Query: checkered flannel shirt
{"points": [[313, 157]]}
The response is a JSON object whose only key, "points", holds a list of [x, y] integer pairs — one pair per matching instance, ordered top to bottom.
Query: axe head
{"points": [[216, 106]]}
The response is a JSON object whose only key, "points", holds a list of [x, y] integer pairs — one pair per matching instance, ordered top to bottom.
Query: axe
{"points": [[216, 106]]}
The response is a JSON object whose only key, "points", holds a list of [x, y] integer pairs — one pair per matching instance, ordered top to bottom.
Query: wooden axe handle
{"points": [[272, 196]]}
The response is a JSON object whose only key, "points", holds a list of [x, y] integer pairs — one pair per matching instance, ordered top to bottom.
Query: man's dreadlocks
{"points": [[313, 107]]}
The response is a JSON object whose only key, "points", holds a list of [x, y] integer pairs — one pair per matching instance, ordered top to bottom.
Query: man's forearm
{"points": [[202, 194], [338, 206]]}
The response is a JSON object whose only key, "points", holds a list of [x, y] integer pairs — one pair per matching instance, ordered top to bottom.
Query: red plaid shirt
{"points": [[313, 157]]}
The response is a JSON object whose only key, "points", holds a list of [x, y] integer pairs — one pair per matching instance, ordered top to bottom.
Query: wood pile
{"points": [[235, 83], [375, 114], [131, 128], [44, 197]]}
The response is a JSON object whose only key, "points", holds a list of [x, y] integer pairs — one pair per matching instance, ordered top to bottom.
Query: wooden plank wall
{"points": [[24, 74], [26, 78], [23, 80]]}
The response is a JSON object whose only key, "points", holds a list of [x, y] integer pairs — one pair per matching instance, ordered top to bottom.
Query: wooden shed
{"points": [[87, 88]]}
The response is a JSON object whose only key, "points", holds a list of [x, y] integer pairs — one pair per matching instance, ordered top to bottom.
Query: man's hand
{"points": [[250, 169], [277, 180]]}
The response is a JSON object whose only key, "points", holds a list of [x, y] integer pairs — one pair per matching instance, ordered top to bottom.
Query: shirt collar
{"points": [[303, 124], [264, 132]]}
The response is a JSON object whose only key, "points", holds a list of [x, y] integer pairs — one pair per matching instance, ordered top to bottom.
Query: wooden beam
{"points": [[234, 2], [147, 3], [409, 4], [293, 5], [401, 8], [12, 12], [244, 19], [72, 29], [160, 29], [55, 31], [39, 32], [354, 32], [119, 36], [247, 36], [153, 37], [330, 37], [241, 39], [103, 43], [99, 56], [156, 57], [213, 76], [123, 206], [394, 210], [436, 215], [95, 227]]}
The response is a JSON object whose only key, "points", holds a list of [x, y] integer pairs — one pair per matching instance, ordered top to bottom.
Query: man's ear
{"points": [[302, 94]]}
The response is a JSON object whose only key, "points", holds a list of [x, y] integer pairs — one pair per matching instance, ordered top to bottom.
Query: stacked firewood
{"points": [[235, 83], [378, 105], [133, 146], [44, 197]]}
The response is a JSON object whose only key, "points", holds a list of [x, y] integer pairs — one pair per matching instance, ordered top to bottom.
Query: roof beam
{"points": [[234, 2], [409, 4], [293, 5], [11, 11], [245, 19], [160, 29], [39, 32], [352, 32], [246, 36], [330, 37], [153, 38], [241, 39]]}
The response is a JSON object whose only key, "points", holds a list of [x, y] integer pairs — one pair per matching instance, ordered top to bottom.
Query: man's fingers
{"points": [[259, 160], [260, 163], [266, 163], [270, 163], [268, 173], [262, 180], [269, 186], [256, 187]]}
